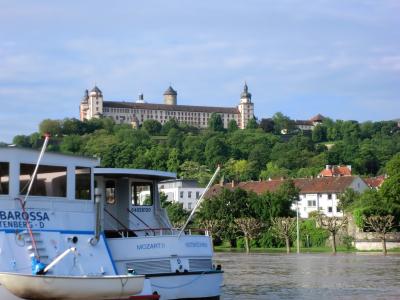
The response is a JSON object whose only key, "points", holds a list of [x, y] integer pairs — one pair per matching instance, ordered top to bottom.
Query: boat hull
{"points": [[190, 285], [71, 287]]}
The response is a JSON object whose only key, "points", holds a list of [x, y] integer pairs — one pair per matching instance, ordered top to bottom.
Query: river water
{"points": [[310, 276]]}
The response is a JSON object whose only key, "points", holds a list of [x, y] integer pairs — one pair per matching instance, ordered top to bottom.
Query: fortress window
{"points": [[4, 178], [50, 181], [82, 183]]}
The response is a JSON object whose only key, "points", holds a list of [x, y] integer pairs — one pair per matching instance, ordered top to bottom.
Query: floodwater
{"points": [[310, 276]]}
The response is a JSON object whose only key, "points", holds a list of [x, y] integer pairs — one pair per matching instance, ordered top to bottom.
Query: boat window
{"points": [[4, 177], [50, 181], [82, 183], [110, 191], [142, 194]]}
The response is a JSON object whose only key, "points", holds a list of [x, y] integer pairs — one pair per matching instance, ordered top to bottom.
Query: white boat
{"points": [[59, 214], [122, 230], [141, 238], [47, 287]]}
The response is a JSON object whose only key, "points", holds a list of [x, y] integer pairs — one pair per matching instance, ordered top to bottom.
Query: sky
{"points": [[340, 58]]}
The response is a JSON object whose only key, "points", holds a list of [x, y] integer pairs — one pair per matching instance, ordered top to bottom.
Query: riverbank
{"points": [[339, 249]]}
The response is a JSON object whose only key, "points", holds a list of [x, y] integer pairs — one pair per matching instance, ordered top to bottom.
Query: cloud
{"points": [[297, 57]]}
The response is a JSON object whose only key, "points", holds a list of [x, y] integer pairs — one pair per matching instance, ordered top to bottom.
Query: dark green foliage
{"points": [[215, 123], [252, 124], [267, 125], [232, 126], [152, 127], [319, 133], [255, 153], [382, 202], [276, 204], [226, 207], [177, 215], [311, 235], [269, 240]]}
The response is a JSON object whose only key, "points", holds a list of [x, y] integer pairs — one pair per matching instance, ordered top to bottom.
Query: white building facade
{"points": [[135, 113], [182, 191], [323, 194]]}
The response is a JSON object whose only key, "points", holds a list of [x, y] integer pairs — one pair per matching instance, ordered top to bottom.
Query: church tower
{"points": [[95, 103], [246, 107]]}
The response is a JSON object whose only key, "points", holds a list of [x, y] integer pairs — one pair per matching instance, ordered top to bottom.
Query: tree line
{"points": [[258, 152]]}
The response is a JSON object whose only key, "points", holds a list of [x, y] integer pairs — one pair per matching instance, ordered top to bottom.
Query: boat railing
{"points": [[143, 222], [174, 231], [125, 232]]}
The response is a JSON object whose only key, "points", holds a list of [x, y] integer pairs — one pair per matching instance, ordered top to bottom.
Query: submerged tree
{"points": [[333, 225], [381, 225], [213, 226], [250, 227], [283, 228]]}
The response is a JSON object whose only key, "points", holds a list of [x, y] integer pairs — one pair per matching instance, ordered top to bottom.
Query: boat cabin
{"points": [[63, 187], [131, 201]]}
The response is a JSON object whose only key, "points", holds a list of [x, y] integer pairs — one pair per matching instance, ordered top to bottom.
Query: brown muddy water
{"points": [[310, 276]]}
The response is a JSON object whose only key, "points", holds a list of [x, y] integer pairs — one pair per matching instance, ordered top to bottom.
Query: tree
{"points": [[215, 122], [171, 123], [282, 123], [252, 124], [267, 125], [232, 126], [53, 127], [72, 127], [152, 127], [319, 133], [175, 138], [22, 141], [71, 144], [216, 151], [173, 160], [393, 166], [193, 170], [238, 170], [273, 171], [347, 198], [276, 204], [226, 206], [176, 214], [333, 225], [381, 225], [213, 226], [250, 227], [284, 228]]}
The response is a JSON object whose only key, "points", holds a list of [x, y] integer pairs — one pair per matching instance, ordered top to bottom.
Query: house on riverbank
{"points": [[316, 194]]}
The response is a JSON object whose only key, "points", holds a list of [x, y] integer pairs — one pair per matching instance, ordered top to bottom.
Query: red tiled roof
{"points": [[156, 106], [317, 118], [335, 171], [375, 182], [306, 185]]}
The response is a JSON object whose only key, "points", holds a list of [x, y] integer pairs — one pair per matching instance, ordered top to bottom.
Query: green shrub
{"points": [[311, 235], [268, 240], [347, 241]]}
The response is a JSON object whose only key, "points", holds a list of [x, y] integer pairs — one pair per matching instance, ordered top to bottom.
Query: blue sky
{"points": [[340, 58]]}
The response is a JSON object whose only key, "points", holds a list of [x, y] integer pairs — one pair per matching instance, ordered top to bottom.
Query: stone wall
{"points": [[371, 240]]}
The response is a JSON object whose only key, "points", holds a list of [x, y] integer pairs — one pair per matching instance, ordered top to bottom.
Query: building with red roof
{"points": [[335, 171], [316, 194]]}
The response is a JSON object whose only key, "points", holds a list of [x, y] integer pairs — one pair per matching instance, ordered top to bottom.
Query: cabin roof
{"points": [[26, 155], [160, 175]]}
